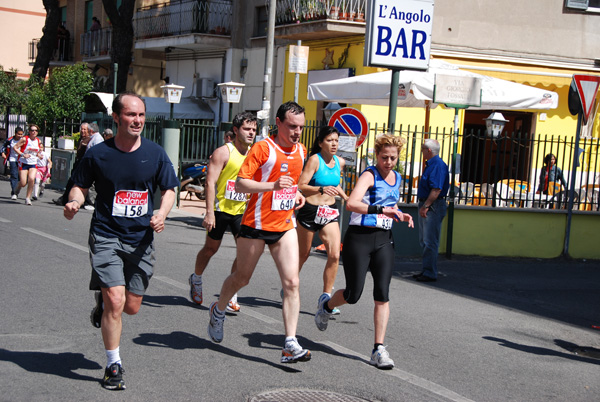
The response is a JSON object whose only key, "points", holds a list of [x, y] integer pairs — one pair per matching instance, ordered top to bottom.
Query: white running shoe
{"points": [[13, 197], [27, 201], [195, 290], [233, 306], [335, 311], [322, 316], [215, 326], [292, 352], [380, 358]]}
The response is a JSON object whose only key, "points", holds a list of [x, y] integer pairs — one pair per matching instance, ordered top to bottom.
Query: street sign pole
{"points": [[393, 100]]}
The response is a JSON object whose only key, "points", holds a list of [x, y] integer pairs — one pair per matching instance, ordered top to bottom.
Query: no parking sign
{"points": [[352, 122]]}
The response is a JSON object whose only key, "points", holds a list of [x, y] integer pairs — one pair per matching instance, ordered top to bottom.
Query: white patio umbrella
{"points": [[416, 87]]}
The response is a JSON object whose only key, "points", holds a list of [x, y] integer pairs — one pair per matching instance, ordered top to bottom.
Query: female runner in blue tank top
{"points": [[321, 183], [368, 243]]}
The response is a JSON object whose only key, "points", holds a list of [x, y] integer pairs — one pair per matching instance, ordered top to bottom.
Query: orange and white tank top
{"points": [[30, 150], [272, 211]]}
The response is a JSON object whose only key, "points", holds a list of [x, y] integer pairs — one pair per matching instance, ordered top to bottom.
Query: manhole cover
{"points": [[303, 395]]}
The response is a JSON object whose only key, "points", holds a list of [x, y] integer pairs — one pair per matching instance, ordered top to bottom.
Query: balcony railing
{"points": [[294, 11], [185, 17], [95, 43], [62, 52]]}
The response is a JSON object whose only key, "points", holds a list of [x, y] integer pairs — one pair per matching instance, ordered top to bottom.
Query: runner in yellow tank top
{"points": [[225, 207]]}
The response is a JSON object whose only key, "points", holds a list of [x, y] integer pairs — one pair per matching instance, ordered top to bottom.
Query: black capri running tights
{"points": [[367, 248]]}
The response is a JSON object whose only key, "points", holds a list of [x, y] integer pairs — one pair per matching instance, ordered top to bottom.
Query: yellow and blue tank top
{"points": [[227, 199]]}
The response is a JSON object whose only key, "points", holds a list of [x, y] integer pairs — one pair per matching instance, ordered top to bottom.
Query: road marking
{"points": [[5, 220], [57, 239], [172, 282], [264, 318], [403, 375]]}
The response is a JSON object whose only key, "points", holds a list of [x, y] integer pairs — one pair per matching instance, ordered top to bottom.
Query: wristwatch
{"points": [[321, 190]]}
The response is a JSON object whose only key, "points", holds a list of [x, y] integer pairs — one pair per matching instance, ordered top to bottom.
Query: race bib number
{"points": [[230, 193], [284, 199], [130, 203], [325, 215], [383, 222]]}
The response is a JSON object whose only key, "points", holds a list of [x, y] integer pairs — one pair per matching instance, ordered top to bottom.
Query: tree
{"points": [[122, 39], [48, 41], [12, 90], [62, 97]]}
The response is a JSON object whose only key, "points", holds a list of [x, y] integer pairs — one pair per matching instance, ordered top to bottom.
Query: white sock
{"points": [[36, 188], [112, 357]]}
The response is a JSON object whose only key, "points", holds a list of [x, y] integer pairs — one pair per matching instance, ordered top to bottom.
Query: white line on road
{"points": [[5, 220], [57, 239], [172, 282], [403, 375]]}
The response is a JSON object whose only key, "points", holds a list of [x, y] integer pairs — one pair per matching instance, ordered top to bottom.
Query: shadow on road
{"points": [[559, 289], [183, 340], [545, 351], [60, 364]]}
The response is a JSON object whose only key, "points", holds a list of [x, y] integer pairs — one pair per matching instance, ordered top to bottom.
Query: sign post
{"points": [[398, 36], [584, 88], [458, 93]]}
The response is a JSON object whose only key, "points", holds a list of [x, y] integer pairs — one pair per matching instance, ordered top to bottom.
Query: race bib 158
{"points": [[130, 203]]}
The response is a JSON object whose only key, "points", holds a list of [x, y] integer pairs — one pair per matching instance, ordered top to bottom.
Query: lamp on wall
{"points": [[172, 94], [495, 123]]}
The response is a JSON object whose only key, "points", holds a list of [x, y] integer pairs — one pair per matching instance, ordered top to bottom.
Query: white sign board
{"points": [[398, 33], [298, 59], [457, 90], [347, 143], [349, 157]]}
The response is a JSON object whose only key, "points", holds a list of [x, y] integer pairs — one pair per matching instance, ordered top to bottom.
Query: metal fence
{"points": [[293, 11], [183, 17], [507, 171]]}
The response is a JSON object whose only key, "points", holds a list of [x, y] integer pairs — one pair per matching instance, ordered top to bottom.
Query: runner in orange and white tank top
{"points": [[27, 148], [270, 174], [272, 210]]}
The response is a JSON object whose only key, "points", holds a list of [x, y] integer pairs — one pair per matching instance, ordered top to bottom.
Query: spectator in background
{"points": [[95, 24], [107, 134], [95, 136], [228, 136], [81, 148], [9, 153], [550, 173]]}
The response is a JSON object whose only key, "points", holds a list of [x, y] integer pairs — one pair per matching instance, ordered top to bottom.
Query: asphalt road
{"points": [[488, 330]]}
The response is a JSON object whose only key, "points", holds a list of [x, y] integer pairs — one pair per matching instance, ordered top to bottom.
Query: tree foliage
{"points": [[12, 90], [62, 97]]}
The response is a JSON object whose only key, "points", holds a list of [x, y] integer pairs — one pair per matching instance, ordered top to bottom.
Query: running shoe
{"points": [[13, 197], [33, 198], [27, 201], [88, 207], [195, 290], [233, 307], [336, 311], [96, 315], [322, 316], [215, 326], [292, 352], [380, 358], [113, 377]]}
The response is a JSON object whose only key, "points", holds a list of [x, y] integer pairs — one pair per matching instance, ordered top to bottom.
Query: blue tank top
{"points": [[326, 176], [380, 194]]}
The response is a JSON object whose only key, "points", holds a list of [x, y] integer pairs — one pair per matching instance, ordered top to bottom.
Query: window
{"points": [[590, 6], [89, 13], [63, 14], [262, 21]]}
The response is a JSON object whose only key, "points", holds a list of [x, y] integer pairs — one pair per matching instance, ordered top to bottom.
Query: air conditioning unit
{"points": [[205, 88]]}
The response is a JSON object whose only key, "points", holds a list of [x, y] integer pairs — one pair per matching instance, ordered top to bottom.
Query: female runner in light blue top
{"points": [[320, 183]]}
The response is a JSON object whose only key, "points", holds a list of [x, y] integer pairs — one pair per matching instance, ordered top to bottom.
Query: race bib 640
{"points": [[284, 199]]}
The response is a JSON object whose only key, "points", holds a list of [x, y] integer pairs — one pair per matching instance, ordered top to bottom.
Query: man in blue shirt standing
{"points": [[433, 188]]}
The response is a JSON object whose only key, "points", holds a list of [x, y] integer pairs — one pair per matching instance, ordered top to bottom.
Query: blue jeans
{"points": [[14, 177], [429, 236]]}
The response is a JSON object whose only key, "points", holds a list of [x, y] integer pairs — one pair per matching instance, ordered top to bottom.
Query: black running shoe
{"points": [[96, 316], [113, 377]]}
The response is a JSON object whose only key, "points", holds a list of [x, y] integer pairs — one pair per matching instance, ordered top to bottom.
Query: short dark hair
{"points": [[117, 105], [291, 107], [240, 118], [19, 129]]}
